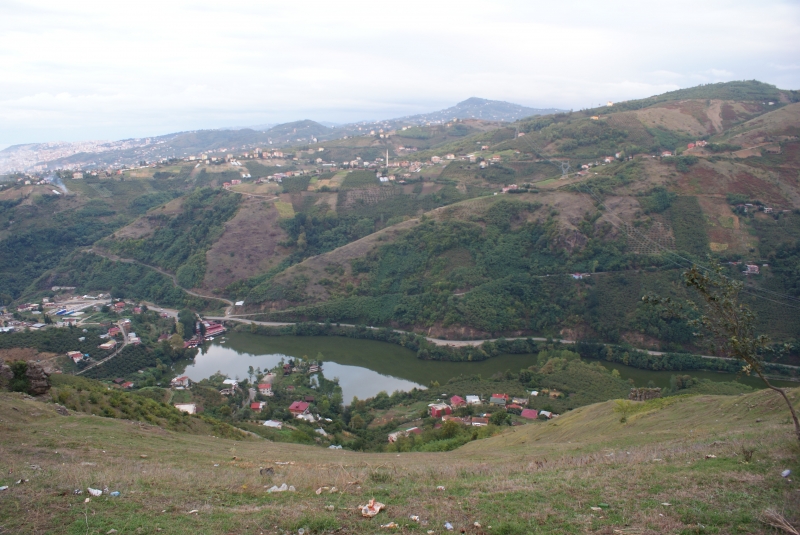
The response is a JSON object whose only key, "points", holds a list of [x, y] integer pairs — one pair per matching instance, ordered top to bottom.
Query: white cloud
{"points": [[70, 69]]}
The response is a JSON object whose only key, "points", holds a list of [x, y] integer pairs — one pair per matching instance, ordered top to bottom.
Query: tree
{"points": [[727, 324], [498, 418]]}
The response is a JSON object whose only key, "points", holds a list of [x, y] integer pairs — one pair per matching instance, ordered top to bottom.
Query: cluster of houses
{"points": [[445, 411]]}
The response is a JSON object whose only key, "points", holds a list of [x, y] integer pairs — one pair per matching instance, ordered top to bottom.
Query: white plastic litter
{"points": [[786, 473], [4, 487], [440, 487], [282, 488], [95, 492], [665, 504], [193, 512], [415, 518], [477, 524], [390, 525], [448, 526]]}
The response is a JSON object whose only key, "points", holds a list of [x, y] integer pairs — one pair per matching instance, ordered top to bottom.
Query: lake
{"points": [[366, 367]]}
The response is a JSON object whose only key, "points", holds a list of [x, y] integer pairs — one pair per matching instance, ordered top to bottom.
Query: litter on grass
{"points": [[711, 456], [786, 473], [4, 487], [440, 487], [282, 488], [95, 492], [115, 494], [666, 504], [330, 507], [372, 508], [596, 508], [193, 512], [415, 518], [477, 524], [390, 525], [448, 526]]}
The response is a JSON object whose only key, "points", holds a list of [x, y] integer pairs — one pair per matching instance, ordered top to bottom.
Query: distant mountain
{"points": [[480, 108]]}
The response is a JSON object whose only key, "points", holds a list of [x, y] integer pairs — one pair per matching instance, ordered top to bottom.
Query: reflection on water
{"points": [[233, 360], [366, 367]]}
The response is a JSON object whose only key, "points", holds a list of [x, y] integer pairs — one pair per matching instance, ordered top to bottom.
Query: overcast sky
{"points": [[72, 70]]}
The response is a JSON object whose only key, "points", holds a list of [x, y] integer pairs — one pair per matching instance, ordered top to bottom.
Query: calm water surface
{"points": [[366, 367]]}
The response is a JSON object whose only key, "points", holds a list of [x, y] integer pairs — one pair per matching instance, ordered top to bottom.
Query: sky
{"points": [[80, 70]]}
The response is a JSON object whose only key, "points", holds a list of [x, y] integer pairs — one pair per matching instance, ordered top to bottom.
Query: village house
{"points": [[496, 158], [435, 159], [750, 269], [108, 345], [76, 356], [182, 381], [230, 383], [127, 384], [265, 389], [499, 399], [473, 400], [457, 401], [519, 401], [256, 406], [191, 408], [298, 408], [440, 409], [530, 414], [546, 414], [450, 418], [479, 421], [275, 424]]}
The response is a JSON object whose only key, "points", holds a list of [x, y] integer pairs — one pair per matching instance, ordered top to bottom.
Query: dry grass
{"points": [[534, 479]]}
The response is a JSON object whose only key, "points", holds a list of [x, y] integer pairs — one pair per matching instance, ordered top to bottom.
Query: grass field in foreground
{"points": [[531, 479]]}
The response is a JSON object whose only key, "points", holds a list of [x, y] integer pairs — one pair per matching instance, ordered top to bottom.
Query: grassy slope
{"points": [[540, 478]]}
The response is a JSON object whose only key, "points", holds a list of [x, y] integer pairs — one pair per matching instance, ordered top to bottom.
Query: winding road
{"points": [[437, 341]]}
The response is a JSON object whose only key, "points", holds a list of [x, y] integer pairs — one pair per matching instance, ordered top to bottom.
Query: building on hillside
{"points": [[666, 154], [436, 159], [750, 269], [111, 344], [76, 356], [182, 381], [231, 383], [127, 384], [265, 389], [499, 399], [473, 400], [457, 401], [519, 401], [256, 406], [191, 408], [298, 408], [440, 409], [530, 414], [546, 414], [456, 419], [479, 421], [275, 424]]}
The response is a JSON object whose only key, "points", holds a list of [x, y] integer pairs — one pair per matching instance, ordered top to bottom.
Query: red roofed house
{"points": [[119, 306], [114, 331], [180, 381], [127, 385], [265, 388], [457, 401], [257, 406], [513, 406], [298, 407], [440, 409], [530, 414], [479, 422]]}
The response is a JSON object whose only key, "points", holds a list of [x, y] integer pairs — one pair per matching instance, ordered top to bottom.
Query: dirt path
{"points": [[172, 277]]}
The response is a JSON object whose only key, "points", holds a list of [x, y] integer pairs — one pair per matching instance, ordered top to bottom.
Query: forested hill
{"points": [[472, 231]]}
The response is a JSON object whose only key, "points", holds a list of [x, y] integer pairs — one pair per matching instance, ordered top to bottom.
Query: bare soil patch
{"points": [[247, 247]]}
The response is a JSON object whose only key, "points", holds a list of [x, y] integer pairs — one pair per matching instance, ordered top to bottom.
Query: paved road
{"points": [[112, 355]]}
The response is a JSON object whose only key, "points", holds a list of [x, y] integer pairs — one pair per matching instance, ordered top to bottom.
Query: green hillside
{"points": [[689, 464]]}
